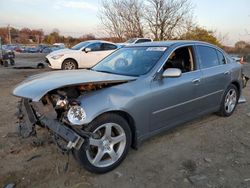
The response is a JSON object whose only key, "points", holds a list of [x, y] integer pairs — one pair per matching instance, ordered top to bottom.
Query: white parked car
{"points": [[83, 55]]}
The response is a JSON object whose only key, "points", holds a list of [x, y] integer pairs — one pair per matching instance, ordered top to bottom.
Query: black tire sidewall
{"points": [[223, 111], [81, 155]]}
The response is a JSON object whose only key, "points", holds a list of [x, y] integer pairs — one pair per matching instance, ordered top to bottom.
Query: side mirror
{"points": [[87, 50], [171, 73]]}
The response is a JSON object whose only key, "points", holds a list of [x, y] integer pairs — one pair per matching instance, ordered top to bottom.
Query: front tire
{"points": [[69, 64], [229, 101], [109, 146]]}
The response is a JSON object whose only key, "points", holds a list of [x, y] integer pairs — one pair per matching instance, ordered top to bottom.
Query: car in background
{"points": [[136, 41], [60, 45], [12, 47], [41, 47], [51, 49], [30, 50], [47, 50], [83, 55], [7, 56], [237, 58]]}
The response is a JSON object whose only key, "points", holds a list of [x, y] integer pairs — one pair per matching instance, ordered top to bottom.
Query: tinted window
{"points": [[143, 40], [95, 46], [106, 46], [208, 56], [221, 58]]}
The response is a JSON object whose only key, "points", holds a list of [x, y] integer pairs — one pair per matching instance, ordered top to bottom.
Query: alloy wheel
{"points": [[69, 65], [230, 100], [107, 146]]}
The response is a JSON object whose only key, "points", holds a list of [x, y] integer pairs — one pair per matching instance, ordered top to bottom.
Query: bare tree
{"points": [[122, 18], [167, 19]]}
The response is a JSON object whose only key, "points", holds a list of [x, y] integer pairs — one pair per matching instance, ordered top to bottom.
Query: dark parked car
{"points": [[41, 47], [30, 50], [6, 56], [136, 92]]}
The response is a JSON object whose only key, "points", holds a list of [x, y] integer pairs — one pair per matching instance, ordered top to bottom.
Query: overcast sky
{"points": [[78, 17]]}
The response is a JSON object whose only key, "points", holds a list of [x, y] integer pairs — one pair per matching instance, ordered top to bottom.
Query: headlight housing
{"points": [[57, 56], [76, 115]]}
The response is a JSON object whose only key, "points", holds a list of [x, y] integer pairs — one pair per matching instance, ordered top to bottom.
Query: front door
{"points": [[98, 52], [175, 99]]}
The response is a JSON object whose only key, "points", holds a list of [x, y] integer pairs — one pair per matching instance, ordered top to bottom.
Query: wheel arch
{"points": [[237, 85], [131, 123]]}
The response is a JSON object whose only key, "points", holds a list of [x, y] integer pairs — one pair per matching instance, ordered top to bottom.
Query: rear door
{"points": [[216, 76]]}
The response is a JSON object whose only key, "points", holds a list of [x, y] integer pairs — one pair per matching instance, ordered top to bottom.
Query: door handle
{"points": [[227, 72], [196, 81]]}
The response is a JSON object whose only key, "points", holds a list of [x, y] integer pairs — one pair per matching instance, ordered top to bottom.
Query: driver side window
{"points": [[182, 58]]}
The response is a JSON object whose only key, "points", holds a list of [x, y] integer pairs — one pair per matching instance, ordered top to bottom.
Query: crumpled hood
{"points": [[35, 87]]}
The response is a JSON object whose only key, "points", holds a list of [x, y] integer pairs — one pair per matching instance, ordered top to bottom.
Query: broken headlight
{"points": [[76, 115]]}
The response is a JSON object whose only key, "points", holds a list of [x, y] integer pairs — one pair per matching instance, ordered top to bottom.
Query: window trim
{"points": [[225, 59]]}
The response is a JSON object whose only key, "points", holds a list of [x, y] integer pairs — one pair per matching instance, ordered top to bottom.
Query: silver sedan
{"points": [[136, 92]]}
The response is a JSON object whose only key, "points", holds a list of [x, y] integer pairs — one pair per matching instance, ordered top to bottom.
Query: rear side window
{"points": [[143, 40], [95, 46], [106, 46], [208, 56], [221, 58]]}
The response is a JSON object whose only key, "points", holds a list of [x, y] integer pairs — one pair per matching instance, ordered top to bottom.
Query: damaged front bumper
{"points": [[28, 119]]}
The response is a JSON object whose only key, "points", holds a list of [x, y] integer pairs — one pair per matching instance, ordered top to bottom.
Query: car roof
{"points": [[142, 38], [92, 41], [169, 43]]}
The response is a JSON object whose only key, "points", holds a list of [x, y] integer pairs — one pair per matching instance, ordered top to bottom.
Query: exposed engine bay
{"points": [[64, 99], [61, 112]]}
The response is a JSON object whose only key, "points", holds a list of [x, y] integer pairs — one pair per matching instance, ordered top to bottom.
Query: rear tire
{"points": [[69, 64], [229, 101], [109, 147]]}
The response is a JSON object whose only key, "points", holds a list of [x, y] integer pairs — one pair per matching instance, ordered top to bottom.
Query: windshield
{"points": [[80, 45], [134, 61]]}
